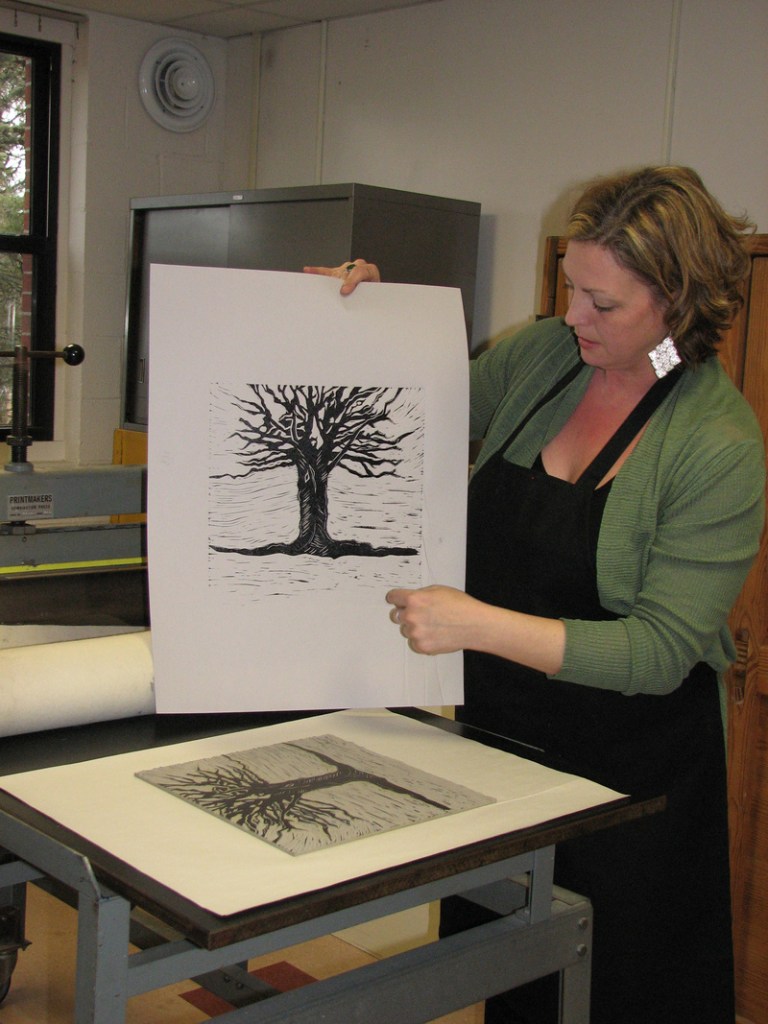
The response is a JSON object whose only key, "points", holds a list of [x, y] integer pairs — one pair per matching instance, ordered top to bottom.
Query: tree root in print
{"points": [[333, 549]]}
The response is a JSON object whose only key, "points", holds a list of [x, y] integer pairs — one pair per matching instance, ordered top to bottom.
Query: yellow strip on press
{"points": [[64, 566]]}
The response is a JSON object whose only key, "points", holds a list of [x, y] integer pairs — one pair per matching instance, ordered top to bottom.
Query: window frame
{"points": [[41, 238]]}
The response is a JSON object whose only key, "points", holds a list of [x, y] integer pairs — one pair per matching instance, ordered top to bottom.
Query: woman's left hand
{"points": [[434, 620], [438, 620]]}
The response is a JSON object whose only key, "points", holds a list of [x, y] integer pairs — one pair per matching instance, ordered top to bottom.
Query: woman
{"points": [[614, 511]]}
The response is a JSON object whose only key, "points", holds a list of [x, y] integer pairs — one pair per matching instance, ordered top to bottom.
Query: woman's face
{"points": [[615, 316]]}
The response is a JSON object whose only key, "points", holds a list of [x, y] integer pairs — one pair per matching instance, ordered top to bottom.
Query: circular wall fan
{"points": [[176, 85]]}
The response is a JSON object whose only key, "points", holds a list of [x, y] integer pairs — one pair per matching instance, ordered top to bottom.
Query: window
{"points": [[29, 146]]}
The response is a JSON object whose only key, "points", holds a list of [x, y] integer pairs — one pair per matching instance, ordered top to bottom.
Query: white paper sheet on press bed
{"points": [[225, 870]]}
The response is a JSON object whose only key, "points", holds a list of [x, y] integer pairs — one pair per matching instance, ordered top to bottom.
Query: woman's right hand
{"points": [[350, 274]]}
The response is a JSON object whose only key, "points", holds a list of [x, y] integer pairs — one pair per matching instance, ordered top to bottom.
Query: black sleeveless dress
{"points": [[659, 886]]}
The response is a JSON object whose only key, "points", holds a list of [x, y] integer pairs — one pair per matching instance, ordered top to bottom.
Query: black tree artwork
{"points": [[315, 431], [312, 793]]}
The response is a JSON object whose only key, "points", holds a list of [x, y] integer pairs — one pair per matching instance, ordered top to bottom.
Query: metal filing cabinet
{"points": [[414, 238]]}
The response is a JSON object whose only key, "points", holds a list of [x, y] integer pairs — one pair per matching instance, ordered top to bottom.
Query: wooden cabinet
{"points": [[744, 355]]}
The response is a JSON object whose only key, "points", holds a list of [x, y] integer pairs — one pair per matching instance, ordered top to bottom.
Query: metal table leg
{"points": [[14, 875], [575, 981], [101, 988]]}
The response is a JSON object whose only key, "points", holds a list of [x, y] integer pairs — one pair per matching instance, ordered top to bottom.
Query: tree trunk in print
{"points": [[313, 537]]}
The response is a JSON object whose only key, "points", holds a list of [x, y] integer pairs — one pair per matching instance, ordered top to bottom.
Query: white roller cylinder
{"points": [[76, 682]]}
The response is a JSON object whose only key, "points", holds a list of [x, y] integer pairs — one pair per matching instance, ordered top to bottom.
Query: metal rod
{"points": [[20, 439]]}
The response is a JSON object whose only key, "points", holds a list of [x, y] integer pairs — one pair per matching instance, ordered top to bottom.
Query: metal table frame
{"points": [[540, 930]]}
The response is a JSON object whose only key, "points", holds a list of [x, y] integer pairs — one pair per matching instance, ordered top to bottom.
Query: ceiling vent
{"points": [[176, 85]]}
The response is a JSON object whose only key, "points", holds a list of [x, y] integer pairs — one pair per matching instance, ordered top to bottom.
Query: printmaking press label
{"points": [[29, 506]]}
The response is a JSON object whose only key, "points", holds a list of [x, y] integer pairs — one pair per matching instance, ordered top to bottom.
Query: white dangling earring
{"points": [[664, 357]]}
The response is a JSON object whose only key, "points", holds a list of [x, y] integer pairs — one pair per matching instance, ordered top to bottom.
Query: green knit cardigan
{"points": [[682, 520]]}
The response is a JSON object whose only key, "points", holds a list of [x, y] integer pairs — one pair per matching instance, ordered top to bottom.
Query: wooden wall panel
{"points": [[748, 706]]}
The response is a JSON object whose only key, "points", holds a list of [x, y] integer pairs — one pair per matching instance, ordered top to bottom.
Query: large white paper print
{"points": [[307, 453]]}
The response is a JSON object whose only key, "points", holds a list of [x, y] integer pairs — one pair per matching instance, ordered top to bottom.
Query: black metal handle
{"points": [[72, 355]]}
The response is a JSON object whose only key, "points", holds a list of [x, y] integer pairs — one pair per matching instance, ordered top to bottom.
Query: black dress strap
{"points": [[556, 388], [639, 416]]}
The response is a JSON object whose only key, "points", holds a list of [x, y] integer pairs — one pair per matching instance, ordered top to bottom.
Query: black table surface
{"points": [[88, 742]]}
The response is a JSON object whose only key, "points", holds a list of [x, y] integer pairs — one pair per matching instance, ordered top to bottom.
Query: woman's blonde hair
{"points": [[662, 225]]}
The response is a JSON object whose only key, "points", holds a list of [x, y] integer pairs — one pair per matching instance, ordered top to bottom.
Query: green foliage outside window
{"points": [[14, 72], [30, 75], [13, 151]]}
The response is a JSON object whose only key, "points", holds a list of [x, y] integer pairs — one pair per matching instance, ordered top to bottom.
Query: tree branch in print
{"points": [[316, 430], [236, 792]]}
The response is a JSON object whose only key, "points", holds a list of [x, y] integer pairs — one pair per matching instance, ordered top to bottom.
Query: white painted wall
{"points": [[513, 103], [115, 152], [126, 154]]}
